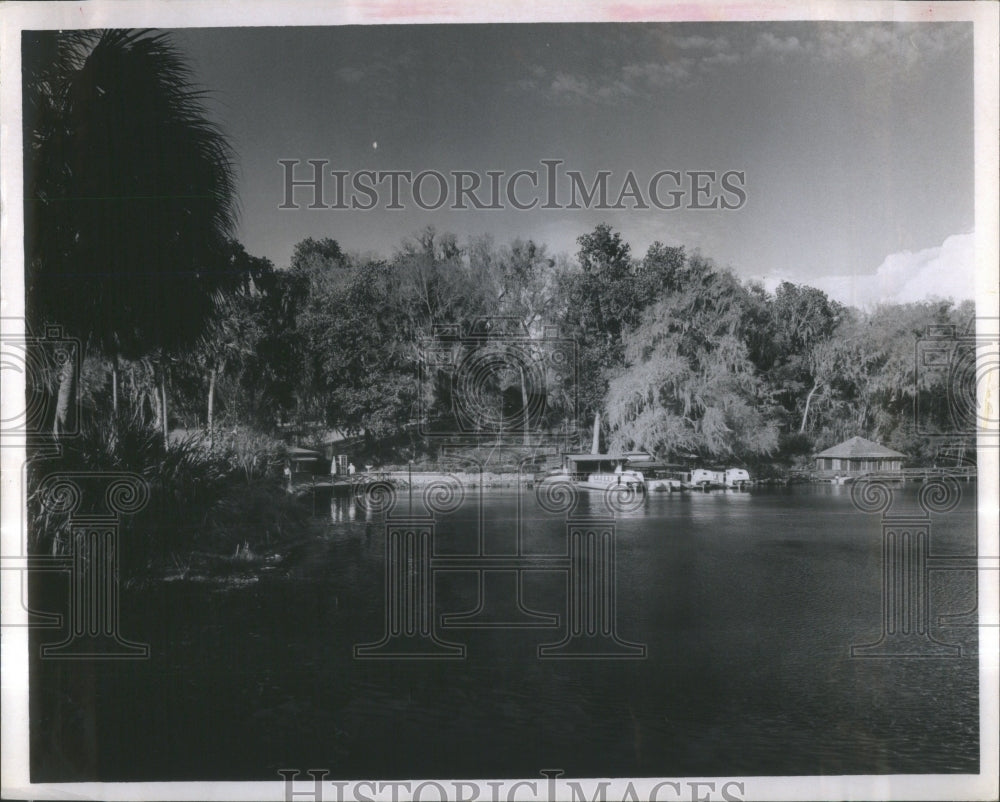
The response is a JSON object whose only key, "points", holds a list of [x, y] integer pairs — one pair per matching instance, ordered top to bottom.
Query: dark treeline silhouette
{"points": [[130, 213], [678, 356]]}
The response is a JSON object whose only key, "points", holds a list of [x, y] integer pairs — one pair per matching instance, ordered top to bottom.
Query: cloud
{"points": [[715, 43], [902, 45], [780, 46], [879, 46], [720, 60], [666, 61], [382, 68], [658, 74], [351, 75], [628, 81], [573, 86], [615, 91], [945, 271]]}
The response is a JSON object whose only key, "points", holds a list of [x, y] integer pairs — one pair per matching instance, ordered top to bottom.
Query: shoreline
{"points": [[495, 479]]}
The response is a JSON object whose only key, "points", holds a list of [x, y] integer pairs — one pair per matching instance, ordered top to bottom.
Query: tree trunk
{"points": [[114, 384], [153, 395], [211, 400], [163, 404], [524, 408], [805, 412], [65, 417], [595, 443]]}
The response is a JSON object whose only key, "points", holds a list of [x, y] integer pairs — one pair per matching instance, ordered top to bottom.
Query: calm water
{"points": [[748, 604]]}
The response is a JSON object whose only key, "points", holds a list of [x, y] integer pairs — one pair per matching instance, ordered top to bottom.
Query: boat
{"points": [[600, 471], [658, 476], [665, 478], [737, 478], [705, 479], [717, 479], [664, 484]]}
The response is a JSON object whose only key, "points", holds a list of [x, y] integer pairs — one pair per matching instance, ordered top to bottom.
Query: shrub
{"points": [[203, 495]]}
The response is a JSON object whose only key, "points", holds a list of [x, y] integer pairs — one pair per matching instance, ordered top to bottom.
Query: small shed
{"points": [[859, 455]]}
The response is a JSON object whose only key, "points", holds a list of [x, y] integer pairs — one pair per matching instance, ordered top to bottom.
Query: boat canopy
{"points": [[595, 457], [593, 463]]}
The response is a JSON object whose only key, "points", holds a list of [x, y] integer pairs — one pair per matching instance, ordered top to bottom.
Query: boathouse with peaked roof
{"points": [[859, 455]]}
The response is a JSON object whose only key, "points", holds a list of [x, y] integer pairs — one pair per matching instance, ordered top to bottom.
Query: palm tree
{"points": [[129, 195], [236, 326]]}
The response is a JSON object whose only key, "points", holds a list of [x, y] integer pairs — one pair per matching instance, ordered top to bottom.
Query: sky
{"points": [[855, 140]]}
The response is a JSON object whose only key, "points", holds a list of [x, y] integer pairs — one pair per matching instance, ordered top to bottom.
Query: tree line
{"points": [[130, 217]]}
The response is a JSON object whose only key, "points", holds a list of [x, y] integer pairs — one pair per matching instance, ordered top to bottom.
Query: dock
{"points": [[965, 473], [404, 479], [308, 484]]}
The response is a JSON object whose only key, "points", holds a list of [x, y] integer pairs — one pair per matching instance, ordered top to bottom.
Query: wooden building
{"points": [[859, 455]]}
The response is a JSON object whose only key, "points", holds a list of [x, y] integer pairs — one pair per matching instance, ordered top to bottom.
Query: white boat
{"points": [[601, 471], [737, 478], [704, 479], [709, 479], [665, 485]]}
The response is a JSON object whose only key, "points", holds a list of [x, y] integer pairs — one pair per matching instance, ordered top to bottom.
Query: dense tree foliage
{"points": [[129, 193], [130, 213], [679, 356], [688, 384]]}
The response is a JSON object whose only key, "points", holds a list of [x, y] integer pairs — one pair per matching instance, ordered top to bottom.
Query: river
{"points": [[747, 606]]}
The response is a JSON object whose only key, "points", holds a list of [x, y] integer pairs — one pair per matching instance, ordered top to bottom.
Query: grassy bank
{"points": [[212, 501]]}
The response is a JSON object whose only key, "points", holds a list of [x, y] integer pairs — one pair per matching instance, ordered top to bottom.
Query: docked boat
{"points": [[601, 471], [659, 477], [665, 478], [737, 478], [705, 479], [717, 479]]}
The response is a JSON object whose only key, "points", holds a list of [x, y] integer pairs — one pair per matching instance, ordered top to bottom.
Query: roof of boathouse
{"points": [[860, 448]]}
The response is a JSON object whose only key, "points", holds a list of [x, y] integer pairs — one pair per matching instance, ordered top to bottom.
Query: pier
{"points": [[964, 472]]}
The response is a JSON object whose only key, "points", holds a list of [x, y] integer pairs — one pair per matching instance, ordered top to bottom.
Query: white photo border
{"points": [[163, 14]]}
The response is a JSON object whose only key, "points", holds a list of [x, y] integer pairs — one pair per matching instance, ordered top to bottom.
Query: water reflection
{"points": [[345, 509], [748, 602]]}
